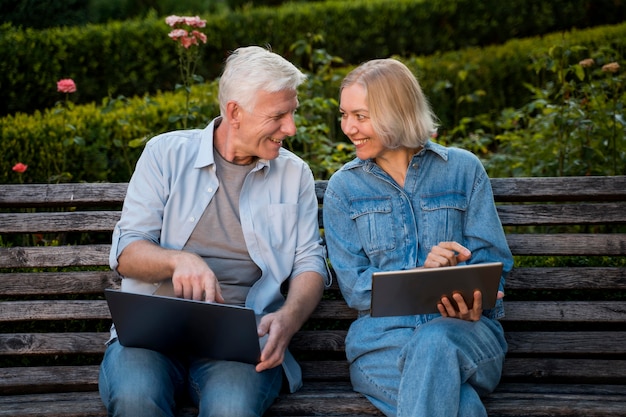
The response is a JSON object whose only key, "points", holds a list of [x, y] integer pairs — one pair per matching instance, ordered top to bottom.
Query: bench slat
{"points": [[605, 188], [560, 189], [62, 195], [554, 214], [510, 215], [73, 221], [536, 244], [599, 244], [54, 256], [534, 278], [567, 278], [57, 283], [17, 311], [531, 311], [53, 343], [588, 343], [41, 379], [508, 400]]}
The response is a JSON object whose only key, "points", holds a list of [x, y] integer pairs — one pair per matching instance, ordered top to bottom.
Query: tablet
{"points": [[417, 291], [177, 325]]}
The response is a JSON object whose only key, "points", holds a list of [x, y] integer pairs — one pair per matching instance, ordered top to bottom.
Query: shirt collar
{"points": [[429, 146], [205, 153]]}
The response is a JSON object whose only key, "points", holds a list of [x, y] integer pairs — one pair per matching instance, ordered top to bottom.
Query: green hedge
{"points": [[136, 57], [95, 143]]}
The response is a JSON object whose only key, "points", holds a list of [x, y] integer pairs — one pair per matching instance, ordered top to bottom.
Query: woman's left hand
{"points": [[463, 312]]}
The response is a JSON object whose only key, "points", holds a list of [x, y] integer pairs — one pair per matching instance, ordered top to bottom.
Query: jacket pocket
{"points": [[444, 215], [374, 222]]}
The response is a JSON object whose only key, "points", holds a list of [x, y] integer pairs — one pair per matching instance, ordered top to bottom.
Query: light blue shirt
{"points": [[172, 185], [372, 224]]}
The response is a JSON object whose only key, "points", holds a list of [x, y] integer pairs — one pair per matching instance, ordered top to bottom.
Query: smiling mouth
{"points": [[277, 141], [359, 142]]}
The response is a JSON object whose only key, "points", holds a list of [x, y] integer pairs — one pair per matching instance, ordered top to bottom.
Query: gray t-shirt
{"points": [[218, 237]]}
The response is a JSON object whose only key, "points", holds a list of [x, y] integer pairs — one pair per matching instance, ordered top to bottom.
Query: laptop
{"points": [[417, 291], [176, 325]]}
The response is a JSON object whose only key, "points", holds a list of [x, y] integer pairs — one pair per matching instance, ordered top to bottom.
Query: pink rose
{"points": [[173, 20], [195, 22], [177, 34], [199, 35], [187, 41], [587, 63], [611, 67], [66, 86], [19, 168]]}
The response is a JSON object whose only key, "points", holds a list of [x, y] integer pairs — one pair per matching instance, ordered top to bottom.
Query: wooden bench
{"points": [[565, 323]]}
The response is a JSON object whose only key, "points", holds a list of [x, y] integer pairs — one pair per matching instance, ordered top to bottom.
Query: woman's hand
{"points": [[447, 254], [463, 312]]}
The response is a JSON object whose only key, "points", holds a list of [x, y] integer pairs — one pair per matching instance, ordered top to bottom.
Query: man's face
{"points": [[261, 131]]}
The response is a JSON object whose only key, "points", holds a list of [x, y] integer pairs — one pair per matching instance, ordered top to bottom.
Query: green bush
{"points": [[136, 57], [482, 96]]}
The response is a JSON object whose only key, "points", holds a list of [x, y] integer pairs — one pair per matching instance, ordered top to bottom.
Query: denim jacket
{"points": [[172, 185], [372, 224]]}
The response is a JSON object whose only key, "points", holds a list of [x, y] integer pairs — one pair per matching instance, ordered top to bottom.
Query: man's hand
{"points": [[191, 276], [194, 280], [305, 291], [281, 329]]}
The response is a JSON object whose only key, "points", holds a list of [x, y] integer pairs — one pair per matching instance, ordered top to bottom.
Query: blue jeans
{"points": [[437, 368], [137, 382]]}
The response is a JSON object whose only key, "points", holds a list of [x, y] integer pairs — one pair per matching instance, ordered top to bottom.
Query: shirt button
{"points": [[210, 190], [192, 219]]}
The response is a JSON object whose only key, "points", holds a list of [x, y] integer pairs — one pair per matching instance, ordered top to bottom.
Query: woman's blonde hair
{"points": [[400, 113]]}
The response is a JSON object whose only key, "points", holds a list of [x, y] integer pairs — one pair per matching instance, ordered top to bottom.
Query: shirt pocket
{"points": [[443, 217], [282, 221], [375, 223]]}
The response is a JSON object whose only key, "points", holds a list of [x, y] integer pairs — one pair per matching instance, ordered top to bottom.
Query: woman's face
{"points": [[356, 123]]}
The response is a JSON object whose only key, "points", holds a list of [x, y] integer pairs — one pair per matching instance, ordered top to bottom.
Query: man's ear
{"points": [[233, 113]]}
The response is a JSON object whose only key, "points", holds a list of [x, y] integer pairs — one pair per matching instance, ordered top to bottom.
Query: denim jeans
{"points": [[437, 368], [140, 382]]}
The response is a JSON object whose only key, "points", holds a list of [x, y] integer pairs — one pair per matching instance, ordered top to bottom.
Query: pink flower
{"points": [[173, 20], [193, 21], [176, 34], [199, 35], [587, 63], [611, 67], [66, 86], [20, 168]]}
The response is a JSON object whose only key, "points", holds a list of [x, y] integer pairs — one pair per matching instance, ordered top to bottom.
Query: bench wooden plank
{"points": [[605, 188], [559, 189], [62, 195], [555, 214], [510, 215], [72, 221], [520, 244], [600, 244], [54, 256], [532, 278], [567, 278], [58, 283], [530, 311], [53, 343], [569, 343], [41, 379], [19, 380], [509, 400]]}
